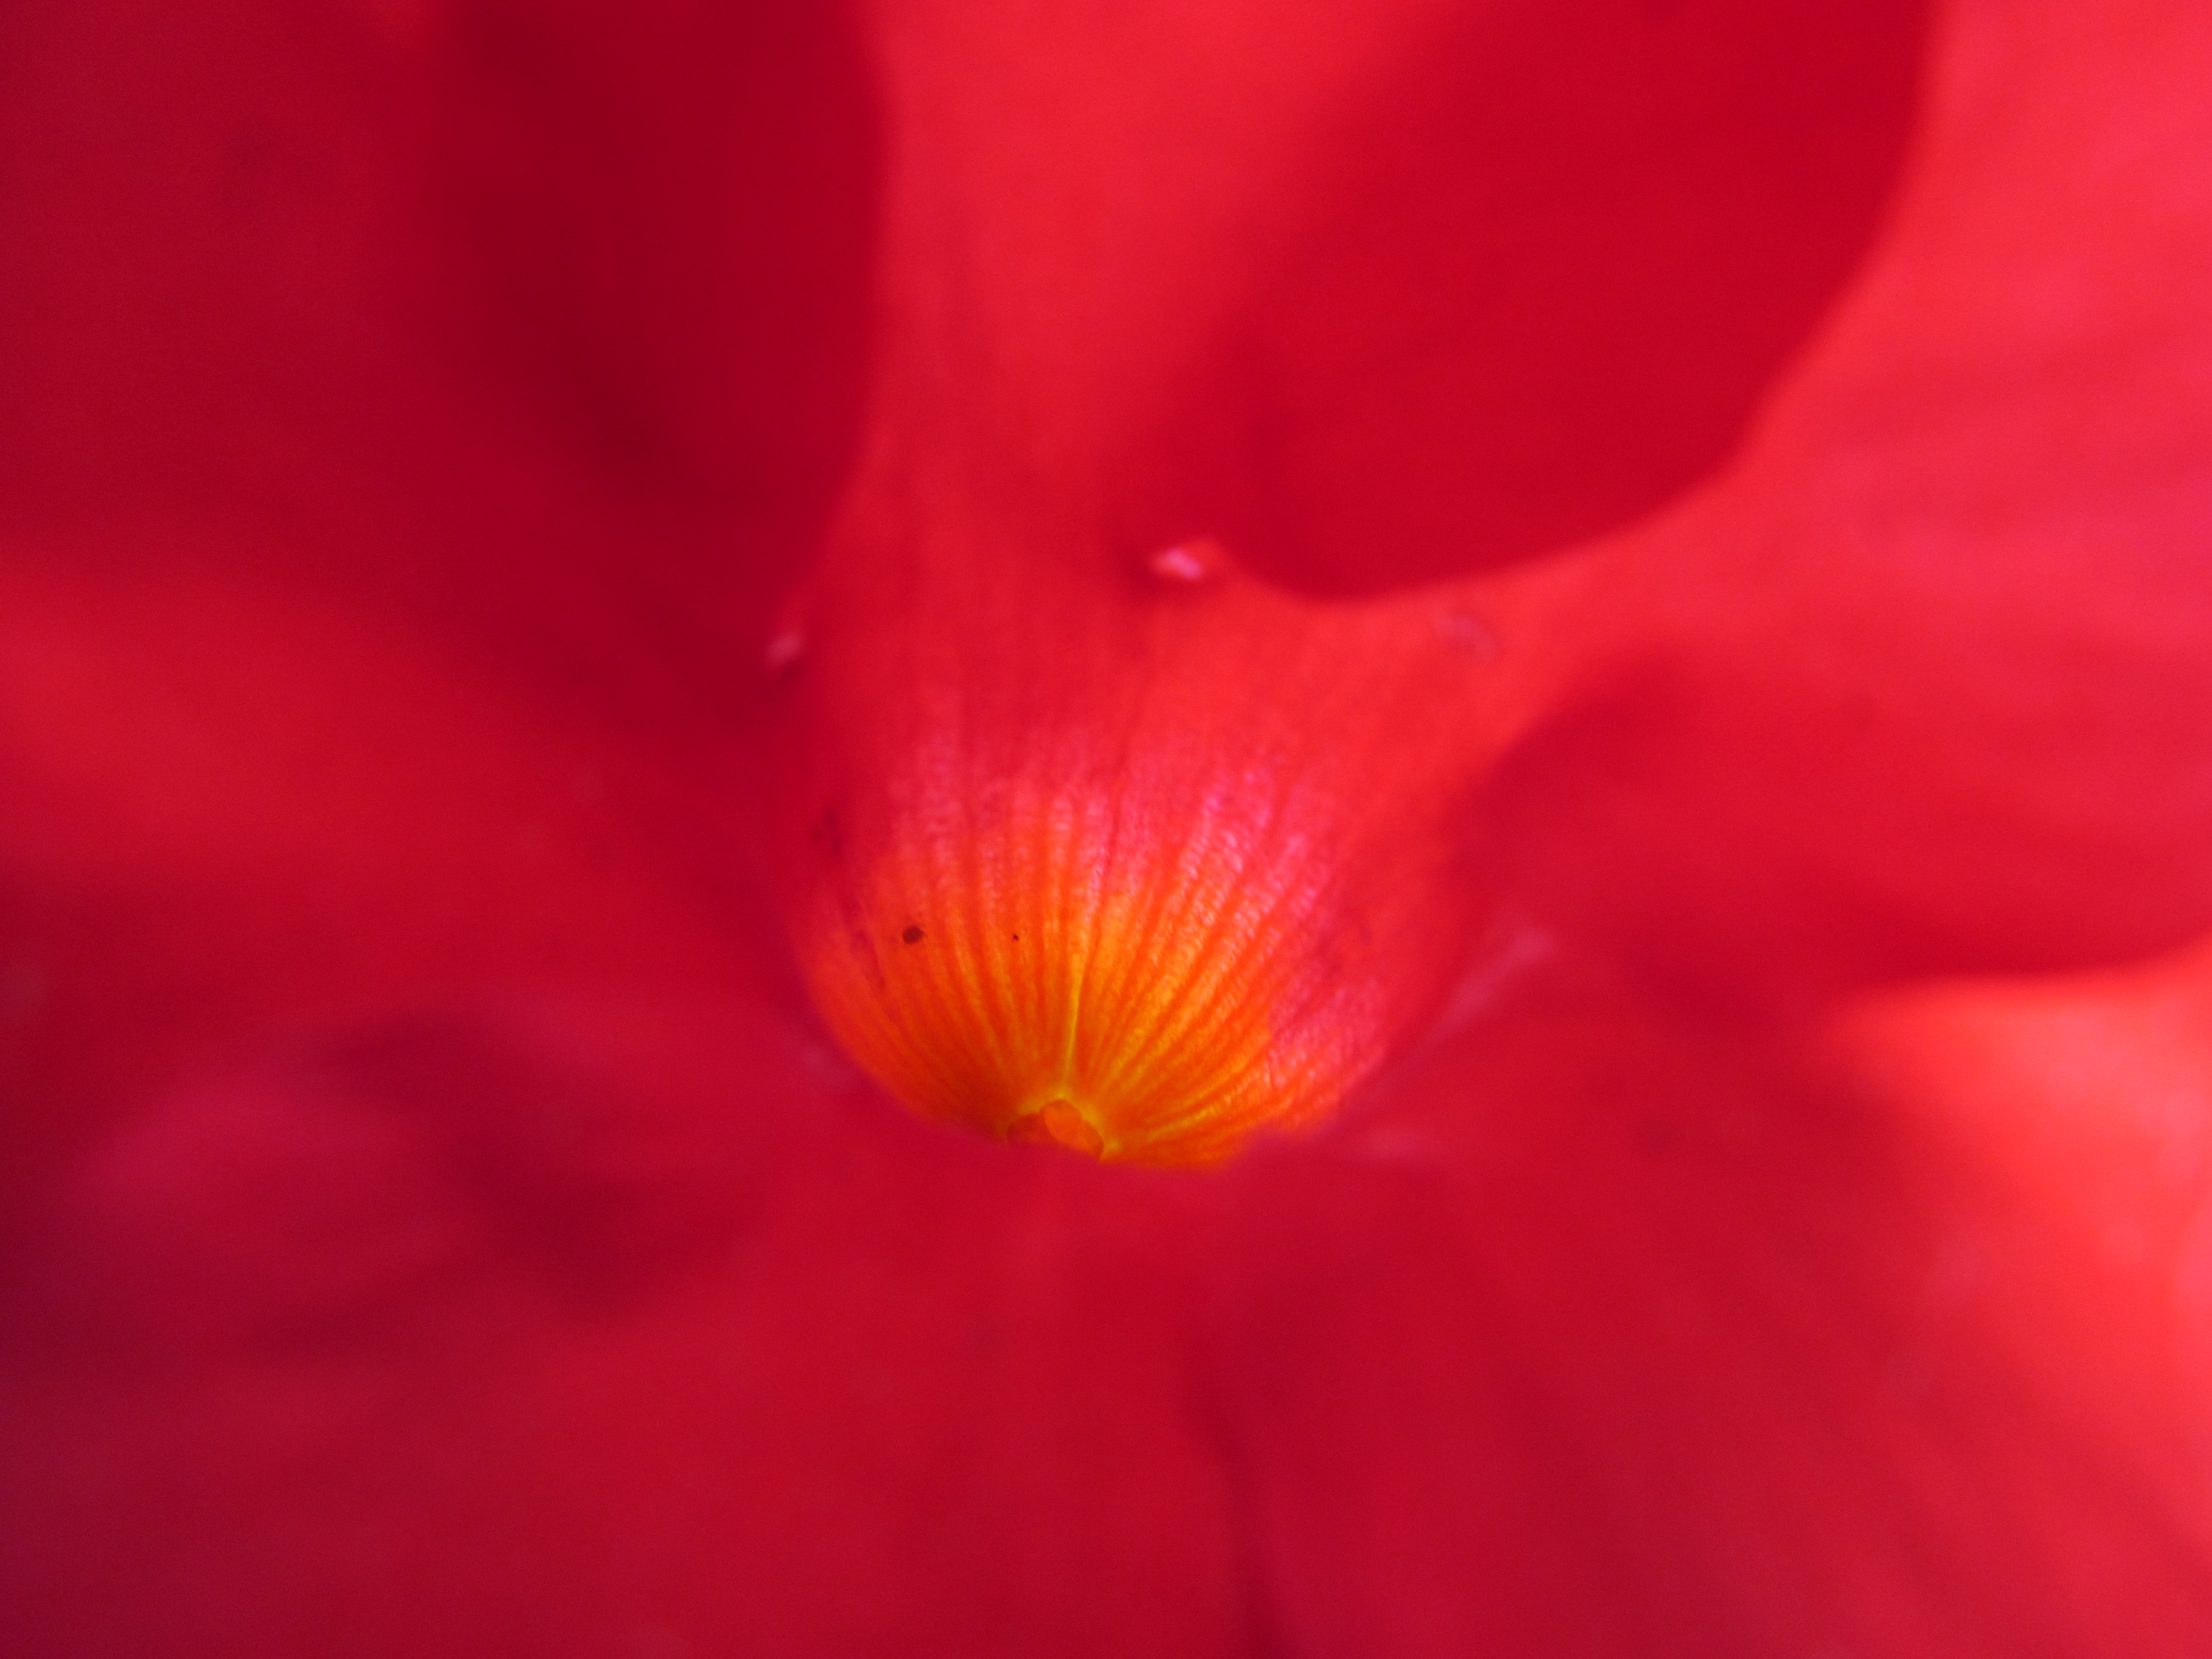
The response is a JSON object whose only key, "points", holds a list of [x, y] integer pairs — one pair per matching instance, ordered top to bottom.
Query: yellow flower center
{"points": [[1137, 870], [1079, 977]]}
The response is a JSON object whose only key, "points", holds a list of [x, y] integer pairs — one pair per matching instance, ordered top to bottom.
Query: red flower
{"points": [[435, 1219]]}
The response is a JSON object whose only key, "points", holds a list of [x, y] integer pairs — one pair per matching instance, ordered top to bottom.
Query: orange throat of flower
{"points": [[1067, 977]]}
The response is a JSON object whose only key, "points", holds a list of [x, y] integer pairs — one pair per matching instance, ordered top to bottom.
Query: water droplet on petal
{"points": [[1192, 561], [1465, 631], [784, 648], [1058, 1123]]}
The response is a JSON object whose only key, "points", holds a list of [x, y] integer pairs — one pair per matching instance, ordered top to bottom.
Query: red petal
{"points": [[425, 289], [1385, 292], [373, 453], [1926, 680], [233, 810], [2090, 1097], [573, 1325], [260, 1329], [581, 1329], [1601, 1339]]}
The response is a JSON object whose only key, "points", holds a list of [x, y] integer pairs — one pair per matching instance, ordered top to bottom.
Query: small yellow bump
{"points": [[1058, 1123]]}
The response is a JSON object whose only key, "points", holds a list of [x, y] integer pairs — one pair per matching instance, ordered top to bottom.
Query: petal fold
{"points": [[1384, 293], [1924, 682]]}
